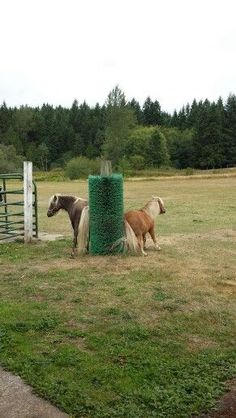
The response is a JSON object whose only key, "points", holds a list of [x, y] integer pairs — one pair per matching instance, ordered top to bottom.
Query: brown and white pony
{"points": [[73, 205], [141, 222], [137, 223]]}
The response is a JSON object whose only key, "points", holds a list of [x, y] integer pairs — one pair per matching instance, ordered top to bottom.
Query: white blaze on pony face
{"points": [[53, 205]]}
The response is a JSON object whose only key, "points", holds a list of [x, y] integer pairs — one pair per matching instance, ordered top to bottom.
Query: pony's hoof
{"points": [[158, 248], [74, 253], [144, 254]]}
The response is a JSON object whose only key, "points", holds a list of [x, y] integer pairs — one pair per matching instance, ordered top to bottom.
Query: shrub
{"points": [[9, 160], [137, 162], [124, 166], [81, 167], [189, 171]]}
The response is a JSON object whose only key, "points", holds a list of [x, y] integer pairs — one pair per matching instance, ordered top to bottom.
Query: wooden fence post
{"points": [[106, 169], [28, 202]]}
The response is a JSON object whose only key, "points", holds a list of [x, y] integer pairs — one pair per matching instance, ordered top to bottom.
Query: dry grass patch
{"points": [[196, 343]]}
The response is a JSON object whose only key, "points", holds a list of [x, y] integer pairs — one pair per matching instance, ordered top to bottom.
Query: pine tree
{"points": [[193, 114], [152, 115], [74, 116], [5, 118], [182, 119], [120, 120], [175, 120], [229, 133], [208, 137]]}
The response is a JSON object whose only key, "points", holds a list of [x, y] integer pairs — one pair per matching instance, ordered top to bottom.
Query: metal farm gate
{"points": [[12, 213]]}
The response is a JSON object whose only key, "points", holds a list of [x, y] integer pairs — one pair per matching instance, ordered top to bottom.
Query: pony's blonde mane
{"points": [[57, 195], [77, 199], [154, 207]]}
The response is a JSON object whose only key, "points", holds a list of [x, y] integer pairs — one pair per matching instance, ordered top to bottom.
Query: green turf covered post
{"points": [[106, 213]]}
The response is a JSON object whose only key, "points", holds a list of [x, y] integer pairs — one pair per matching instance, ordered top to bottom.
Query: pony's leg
{"points": [[152, 233], [75, 240], [144, 241], [141, 244]]}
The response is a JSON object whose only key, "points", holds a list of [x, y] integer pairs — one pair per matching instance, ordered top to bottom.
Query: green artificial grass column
{"points": [[105, 213]]}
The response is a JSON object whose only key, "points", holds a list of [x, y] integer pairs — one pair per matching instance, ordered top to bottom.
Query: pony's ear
{"points": [[55, 198]]}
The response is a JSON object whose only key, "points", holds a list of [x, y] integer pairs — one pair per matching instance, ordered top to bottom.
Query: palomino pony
{"points": [[73, 205], [141, 222], [137, 223]]}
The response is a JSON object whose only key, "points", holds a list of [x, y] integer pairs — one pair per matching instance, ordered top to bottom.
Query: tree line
{"points": [[200, 135]]}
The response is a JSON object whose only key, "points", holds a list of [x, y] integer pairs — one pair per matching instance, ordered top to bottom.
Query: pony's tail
{"points": [[83, 235], [128, 242], [131, 242]]}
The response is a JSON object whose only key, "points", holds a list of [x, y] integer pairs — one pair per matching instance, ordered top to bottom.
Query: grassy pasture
{"points": [[126, 336]]}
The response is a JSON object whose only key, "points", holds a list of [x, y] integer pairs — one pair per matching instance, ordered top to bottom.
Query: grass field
{"points": [[127, 336]]}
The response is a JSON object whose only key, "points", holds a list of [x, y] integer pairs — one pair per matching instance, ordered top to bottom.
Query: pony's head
{"points": [[160, 203], [53, 205]]}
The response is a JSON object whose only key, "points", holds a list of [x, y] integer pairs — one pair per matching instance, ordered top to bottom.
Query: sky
{"points": [[56, 51]]}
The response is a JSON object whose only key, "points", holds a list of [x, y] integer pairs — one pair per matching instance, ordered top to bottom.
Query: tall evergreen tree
{"points": [[137, 110], [152, 113], [193, 114], [74, 116], [5, 118], [166, 119], [182, 119], [120, 120], [175, 120], [85, 127], [48, 129], [97, 133], [229, 134], [208, 138]]}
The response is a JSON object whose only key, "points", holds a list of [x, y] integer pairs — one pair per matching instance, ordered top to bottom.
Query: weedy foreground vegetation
{"points": [[127, 336]]}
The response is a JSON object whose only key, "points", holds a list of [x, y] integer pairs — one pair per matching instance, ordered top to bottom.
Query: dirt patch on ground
{"points": [[44, 236], [226, 407]]}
